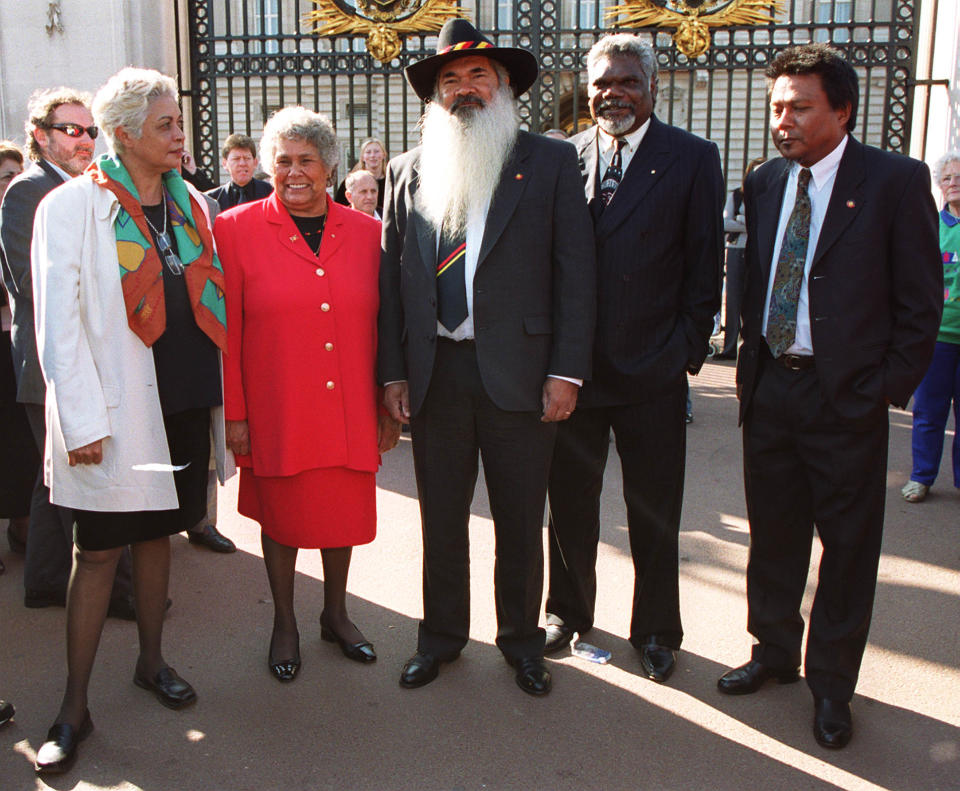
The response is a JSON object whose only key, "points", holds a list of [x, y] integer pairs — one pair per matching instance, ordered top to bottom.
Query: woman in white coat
{"points": [[130, 326]]}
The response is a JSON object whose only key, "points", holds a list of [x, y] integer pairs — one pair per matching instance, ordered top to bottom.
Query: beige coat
{"points": [[101, 380]]}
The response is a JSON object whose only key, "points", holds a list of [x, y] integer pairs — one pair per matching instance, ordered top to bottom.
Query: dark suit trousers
{"points": [[456, 423], [651, 442], [803, 467], [46, 568]]}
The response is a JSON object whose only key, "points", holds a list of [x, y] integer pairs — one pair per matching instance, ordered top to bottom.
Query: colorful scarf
{"points": [[141, 273]]}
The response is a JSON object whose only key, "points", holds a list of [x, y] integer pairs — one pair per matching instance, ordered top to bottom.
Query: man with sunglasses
{"points": [[60, 142]]}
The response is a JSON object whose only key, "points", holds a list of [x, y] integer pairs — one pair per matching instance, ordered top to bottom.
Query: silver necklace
{"points": [[165, 248]]}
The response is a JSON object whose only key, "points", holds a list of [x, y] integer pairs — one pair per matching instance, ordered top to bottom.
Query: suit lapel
{"points": [[589, 156], [649, 163], [52, 174], [513, 180], [845, 199], [768, 203], [425, 231]]}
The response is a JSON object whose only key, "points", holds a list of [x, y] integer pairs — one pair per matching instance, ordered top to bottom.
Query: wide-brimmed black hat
{"points": [[459, 38]]}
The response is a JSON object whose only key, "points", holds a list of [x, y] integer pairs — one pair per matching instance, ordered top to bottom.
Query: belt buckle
{"points": [[792, 362]]}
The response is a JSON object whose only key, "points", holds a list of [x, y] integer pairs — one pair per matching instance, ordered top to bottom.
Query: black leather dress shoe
{"points": [[208, 536], [35, 599], [558, 637], [358, 652], [657, 661], [287, 669], [419, 670], [532, 676], [750, 677], [171, 690], [6, 712], [832, 723], [59, 751]]}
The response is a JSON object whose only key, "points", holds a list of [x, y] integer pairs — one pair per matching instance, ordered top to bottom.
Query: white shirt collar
{"points": [[633, 139], [826, 168], [66, 176]]}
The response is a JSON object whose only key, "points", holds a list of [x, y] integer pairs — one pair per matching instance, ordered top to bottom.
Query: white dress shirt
{"points": [[631, 144], [820, 188], [476, 223]]}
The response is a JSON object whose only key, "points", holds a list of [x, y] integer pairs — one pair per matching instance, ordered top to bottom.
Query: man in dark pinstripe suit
{"points": [[656, 195]]}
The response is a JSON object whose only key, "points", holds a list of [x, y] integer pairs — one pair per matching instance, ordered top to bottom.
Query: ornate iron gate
{"points": [[247, 58]]}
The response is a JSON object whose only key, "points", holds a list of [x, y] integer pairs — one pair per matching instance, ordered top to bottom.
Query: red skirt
{"points": [[315, 509]]}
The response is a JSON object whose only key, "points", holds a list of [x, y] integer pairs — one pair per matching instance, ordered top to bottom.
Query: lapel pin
{"points": [[652, 172], [519, 177], [850, 204], [293, 238]]}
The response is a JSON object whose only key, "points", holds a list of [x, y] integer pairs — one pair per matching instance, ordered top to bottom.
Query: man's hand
{"points": [[189, 163], [396, 398], [559, 399], [388, 433], [238, 437], [88, 454]]}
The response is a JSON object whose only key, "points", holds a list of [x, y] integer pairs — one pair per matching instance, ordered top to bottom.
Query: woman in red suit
{"points": [[300, 394]]}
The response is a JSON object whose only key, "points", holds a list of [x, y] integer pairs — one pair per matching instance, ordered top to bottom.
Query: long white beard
{"points": [[463, 155]]}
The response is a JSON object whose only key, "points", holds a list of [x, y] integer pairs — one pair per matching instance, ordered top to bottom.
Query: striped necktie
{"points": [[611, 179], [451, 284], [782, 318]]}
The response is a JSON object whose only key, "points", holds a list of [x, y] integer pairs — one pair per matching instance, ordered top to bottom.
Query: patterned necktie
{"points": [[611, 179], [451, 286], [782, 318]]}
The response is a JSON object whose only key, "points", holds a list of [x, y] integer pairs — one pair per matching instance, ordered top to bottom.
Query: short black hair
{"points": [[837, 76]]}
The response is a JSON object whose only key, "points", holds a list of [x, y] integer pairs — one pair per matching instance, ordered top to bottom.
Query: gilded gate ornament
{"points": [[692, 19], [383, 22]]}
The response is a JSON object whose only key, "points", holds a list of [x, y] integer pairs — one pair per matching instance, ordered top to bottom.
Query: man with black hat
{"points": [[486, 327]]}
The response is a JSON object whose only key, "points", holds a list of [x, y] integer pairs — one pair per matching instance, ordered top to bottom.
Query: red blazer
{"points": [[302, 337]]}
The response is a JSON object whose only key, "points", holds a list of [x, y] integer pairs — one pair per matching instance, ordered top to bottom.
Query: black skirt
{"points": [[188, 437], [19, 458]]}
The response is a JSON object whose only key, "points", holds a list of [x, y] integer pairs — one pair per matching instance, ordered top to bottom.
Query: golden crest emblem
{"points": [[692, 19], [383, 22]]}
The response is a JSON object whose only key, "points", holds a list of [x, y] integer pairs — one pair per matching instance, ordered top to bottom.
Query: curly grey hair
{"points": [[624, 44], [124, 100], [299, 123], [949, 158]]}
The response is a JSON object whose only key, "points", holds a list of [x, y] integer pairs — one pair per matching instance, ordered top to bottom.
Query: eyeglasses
{"points": [[75, 130]]}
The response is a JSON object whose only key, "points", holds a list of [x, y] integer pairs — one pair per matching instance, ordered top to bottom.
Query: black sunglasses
{"points": [[75, 130]]}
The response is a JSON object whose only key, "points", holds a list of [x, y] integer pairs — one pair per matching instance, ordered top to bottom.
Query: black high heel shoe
{"points": [[358, 652], [286, 670], [57, 754]]}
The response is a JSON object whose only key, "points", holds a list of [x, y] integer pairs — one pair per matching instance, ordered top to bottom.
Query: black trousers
{"points": [[457, 423], [651, 442], [806, 467]]}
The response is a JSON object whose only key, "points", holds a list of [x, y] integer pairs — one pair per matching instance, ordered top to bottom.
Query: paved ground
{"points": [[346, 726]]}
